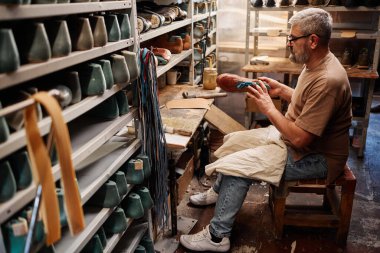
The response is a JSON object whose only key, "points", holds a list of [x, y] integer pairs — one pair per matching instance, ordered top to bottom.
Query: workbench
{"points": [[185, 119]]}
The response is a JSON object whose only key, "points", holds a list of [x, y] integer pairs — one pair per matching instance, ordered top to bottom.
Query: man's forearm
{"points": [[286, 93], [289, 130]]}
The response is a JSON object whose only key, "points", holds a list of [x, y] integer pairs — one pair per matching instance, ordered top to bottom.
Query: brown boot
{"points": [[186, 42], [174, 43]]}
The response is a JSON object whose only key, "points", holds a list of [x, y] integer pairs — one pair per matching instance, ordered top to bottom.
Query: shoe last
{"points": [[257, 3], [271, 3], [347, 58], [363, 58], [120, 71], [107, 72], [92, 79], [122, 104], [107, 110], [146, 164], [21, 169], [134, 171], [7, 182], [121, 182], [107, 196], [146, 199], [133, 207], [116, 223], [15, 232], [102, 236], [147, 243], [93, 246], [140, 249]]}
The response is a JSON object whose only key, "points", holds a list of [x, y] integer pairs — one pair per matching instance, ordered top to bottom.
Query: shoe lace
{"points": [[202, 195], [202, 234]]}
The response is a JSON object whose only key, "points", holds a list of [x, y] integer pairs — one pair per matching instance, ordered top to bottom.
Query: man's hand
{"points": [[275, 86], [278, 89], [260, 95]]}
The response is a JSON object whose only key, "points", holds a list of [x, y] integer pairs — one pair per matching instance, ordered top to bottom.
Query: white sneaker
{"points": [[204, 198], [202, 242]]}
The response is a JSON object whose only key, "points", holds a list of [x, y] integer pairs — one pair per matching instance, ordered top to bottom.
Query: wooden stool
{"points": [[333, 213]]}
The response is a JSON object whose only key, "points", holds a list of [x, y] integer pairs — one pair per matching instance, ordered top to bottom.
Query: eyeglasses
{"points": [[291, 38]]}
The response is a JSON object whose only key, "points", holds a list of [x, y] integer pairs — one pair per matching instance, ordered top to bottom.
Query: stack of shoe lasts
{"points": [[170, 13], [156, 20], [173, 43], [163, 55]]}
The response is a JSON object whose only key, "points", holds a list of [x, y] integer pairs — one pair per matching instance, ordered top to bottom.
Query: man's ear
{"points": [[314, 39]]}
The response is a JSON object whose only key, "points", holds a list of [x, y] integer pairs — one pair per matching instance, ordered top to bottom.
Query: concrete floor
{"points": [[253, 229]]}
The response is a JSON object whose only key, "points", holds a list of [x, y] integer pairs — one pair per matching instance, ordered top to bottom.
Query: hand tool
{"points": [[185, 94]]}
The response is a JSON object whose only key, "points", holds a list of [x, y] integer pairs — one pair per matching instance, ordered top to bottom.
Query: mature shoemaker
{"points": [[314, 130]]}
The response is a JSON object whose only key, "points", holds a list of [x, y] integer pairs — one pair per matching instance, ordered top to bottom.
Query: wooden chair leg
{"points": [[279, 213], [345, 217]]}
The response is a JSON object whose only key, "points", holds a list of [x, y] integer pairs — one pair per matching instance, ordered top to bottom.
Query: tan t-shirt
{"points": [[321, 105]]}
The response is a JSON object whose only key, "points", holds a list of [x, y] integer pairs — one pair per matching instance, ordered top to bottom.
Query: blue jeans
{"points": [[233, 190]]}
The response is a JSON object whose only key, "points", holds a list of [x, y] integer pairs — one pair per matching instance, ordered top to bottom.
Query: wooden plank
{"points": [[276, 65], [284, 65], [224, 123], [186, 162]]}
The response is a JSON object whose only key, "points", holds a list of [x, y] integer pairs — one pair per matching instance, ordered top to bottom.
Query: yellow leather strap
{"points": [[42, 169]]}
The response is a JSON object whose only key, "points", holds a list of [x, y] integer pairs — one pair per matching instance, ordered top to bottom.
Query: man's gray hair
{"points": [[314, 21]]}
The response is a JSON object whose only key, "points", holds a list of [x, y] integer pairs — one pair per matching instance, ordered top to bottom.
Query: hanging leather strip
{"points": [[42, 169]]}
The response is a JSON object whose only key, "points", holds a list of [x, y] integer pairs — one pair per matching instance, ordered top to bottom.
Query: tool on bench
{"points": [[185, 94], [172, 130]]}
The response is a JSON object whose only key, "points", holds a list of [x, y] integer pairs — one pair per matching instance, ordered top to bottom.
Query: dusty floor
{"points": [[253, 229]]}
